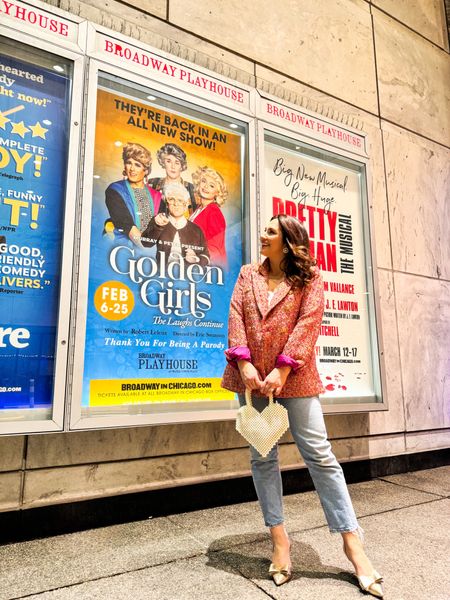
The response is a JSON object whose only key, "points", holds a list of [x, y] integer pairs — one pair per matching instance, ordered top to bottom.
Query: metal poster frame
{"points": [[71, 50], [271, 125], [103, 419]]}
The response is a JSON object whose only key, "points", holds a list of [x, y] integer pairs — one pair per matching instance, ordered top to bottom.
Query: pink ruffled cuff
{"points": [[236, 353], [286, 361]]}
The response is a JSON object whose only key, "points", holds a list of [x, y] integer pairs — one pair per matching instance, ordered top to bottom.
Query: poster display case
{"points": [[39, 138], [316, 171], [165, 230]]}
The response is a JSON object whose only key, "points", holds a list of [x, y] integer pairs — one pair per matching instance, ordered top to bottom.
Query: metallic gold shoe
{"points": [[280, 575], [371, 584]]}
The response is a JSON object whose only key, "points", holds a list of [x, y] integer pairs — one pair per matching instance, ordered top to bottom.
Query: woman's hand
{"points": [[161, 220], [135, 236], [191, 257], [249, 375], [275, 381]]}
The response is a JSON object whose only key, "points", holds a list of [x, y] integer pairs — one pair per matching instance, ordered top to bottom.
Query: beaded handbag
{"points": [[262, 430]]}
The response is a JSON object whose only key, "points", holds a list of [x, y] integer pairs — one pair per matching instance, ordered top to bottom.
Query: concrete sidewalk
{"points": [[224, 553]]}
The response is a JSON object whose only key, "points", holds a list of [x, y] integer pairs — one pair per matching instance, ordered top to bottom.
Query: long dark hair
{"points": [[298, 262]]}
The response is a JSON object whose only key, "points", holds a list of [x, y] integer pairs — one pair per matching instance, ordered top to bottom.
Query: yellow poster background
{"points": [[116, 127]]}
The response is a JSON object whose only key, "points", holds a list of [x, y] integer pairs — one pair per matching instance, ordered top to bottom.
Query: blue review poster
{"points": [[34, 109]]}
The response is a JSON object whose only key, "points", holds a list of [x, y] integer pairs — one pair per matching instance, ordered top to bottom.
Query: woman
{"points": [[173, 160], [211, 192], [131, 203], [174, 235], [275, 316]]}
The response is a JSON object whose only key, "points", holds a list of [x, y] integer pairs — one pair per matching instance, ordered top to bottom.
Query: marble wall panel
{"points": [[155, 7], [111, 10], [427, 17], [155, 32], [295, 40], [413, 80], [306, 97], [418, 182], [423, 310], [394, 418], [347, 425], [422, 441], [129, 443], [386, 445], [369, 447], [348, 449], [11, 452], [289, 456], [75, 483], [66, 484], [10, 485]]}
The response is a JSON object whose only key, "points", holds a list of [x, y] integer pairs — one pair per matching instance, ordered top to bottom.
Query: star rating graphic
{"points": [[19, 128], [38, 130]]}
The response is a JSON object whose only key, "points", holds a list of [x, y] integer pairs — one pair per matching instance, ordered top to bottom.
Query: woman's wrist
{"points": [[236, 354], [286, 361], [242, 363], [284, 370]]}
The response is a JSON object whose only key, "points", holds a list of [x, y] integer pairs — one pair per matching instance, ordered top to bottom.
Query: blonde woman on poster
{"points": [[174, 161], [211, 192], [131, 203], [174, 235], [275, 317]]}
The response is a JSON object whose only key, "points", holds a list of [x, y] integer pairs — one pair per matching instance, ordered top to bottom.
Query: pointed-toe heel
{"points": [[280, 575], [371, 584]]}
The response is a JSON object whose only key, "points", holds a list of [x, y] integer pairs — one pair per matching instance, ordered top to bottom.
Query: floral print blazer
{"points": [[282, 333]]}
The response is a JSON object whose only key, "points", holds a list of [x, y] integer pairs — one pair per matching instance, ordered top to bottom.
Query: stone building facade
{"points": [[382, 66]]}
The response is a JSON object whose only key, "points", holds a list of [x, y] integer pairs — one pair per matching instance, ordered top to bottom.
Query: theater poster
{"points": [[34, 105], [325, 194], [165, 250]]}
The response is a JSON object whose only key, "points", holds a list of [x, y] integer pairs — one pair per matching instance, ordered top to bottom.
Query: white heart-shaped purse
{"points": [[262, 430]]}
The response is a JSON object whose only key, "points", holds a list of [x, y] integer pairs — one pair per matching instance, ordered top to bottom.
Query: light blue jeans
{"points": [[308, 430]]}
